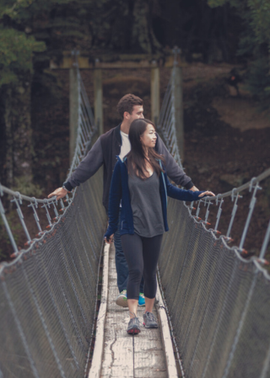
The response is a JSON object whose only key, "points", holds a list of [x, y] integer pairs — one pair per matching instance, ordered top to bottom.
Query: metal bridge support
{"points": [[155, 92], [98, 97], [178, 102], [73, 109], [179, 119]]}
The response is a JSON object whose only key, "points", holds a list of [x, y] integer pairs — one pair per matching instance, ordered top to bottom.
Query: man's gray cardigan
{"points": [[105, 151]]}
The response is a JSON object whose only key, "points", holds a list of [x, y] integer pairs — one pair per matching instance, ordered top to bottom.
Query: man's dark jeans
{"points": [[120, 261]]}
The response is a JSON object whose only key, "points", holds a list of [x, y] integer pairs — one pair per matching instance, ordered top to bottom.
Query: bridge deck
{"points": [[124, 355]]}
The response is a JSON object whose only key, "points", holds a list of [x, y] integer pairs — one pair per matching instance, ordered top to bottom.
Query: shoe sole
{"points": [[121, 302], [141, 305], [150, 326], [134, 331]]}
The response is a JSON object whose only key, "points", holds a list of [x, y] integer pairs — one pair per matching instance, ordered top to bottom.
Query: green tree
{"points": [[32, 32], [254, 43], [16, 53], [16, 69]]}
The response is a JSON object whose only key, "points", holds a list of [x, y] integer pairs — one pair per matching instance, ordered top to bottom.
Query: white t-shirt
{"points": [[125, 148]]}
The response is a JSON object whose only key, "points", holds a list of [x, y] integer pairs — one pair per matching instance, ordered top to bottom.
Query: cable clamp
{"points": [[254, 184], [234, 194], [15, 199], [35, 202], [207, 223], [228, 239], [29, 242], [263, 261]]}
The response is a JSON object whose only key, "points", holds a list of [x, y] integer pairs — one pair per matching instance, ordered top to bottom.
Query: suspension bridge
{"points": [[215, 302]]}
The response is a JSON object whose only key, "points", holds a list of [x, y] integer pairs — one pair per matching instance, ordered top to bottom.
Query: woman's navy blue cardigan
{"points": [[119, 191]]}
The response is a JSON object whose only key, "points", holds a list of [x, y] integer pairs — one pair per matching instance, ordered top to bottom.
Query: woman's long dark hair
{"points": [[136, 157]]}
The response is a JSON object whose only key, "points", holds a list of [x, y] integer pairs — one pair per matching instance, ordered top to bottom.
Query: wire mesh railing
{"points": [[167, 119], [86, 125], [50, 208], [48, 293], [217, 299]]}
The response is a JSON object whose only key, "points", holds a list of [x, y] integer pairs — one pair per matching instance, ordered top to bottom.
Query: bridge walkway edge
{"points": [[117, 354]]}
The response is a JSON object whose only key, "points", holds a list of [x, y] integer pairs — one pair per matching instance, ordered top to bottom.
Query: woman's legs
{"points": [[133, 250], [151, 251], [142, 257], [149, 304]]}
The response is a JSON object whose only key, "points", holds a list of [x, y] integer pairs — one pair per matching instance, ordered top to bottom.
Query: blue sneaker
{"points": [[141, 301]]}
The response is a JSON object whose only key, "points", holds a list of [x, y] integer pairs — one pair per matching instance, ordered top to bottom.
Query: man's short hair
{"points": [[127, 102]]}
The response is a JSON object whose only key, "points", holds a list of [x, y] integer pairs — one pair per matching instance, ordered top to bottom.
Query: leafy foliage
{"points": [[255, 14], [254, 43], [16, 51], [259, 81]]}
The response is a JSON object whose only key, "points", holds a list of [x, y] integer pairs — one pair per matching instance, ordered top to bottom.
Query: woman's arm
{"points": [[184, 195], [114, 200]]}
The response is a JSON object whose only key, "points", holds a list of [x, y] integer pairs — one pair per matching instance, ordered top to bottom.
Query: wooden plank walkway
{"points": [[118, 354]]}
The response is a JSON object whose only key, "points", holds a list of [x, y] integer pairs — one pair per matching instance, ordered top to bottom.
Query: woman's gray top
{"points": [[146, 205]]}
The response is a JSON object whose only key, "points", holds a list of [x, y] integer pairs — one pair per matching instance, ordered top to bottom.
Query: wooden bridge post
{"points": [[155, 92], [98, 97], [178, 102], [73, 106]]}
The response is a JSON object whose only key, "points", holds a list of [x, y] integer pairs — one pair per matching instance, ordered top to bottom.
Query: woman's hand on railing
{"points": [[207, 193], [109, 240]]}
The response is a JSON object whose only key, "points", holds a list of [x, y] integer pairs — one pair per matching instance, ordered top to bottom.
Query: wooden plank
{"points": [[113, 61], [166, 337], [118, 347], [98, 350], [140, 356], [149, 359]]}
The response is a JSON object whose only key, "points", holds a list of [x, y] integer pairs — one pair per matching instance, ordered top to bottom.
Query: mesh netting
{"points": [[48, 297], [219, 304]]}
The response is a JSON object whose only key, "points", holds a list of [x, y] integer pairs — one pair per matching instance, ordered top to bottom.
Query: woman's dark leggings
{"points": [[142, 257]]}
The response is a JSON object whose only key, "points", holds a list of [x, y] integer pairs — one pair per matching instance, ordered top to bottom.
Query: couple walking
{"points": [[135, 188]]}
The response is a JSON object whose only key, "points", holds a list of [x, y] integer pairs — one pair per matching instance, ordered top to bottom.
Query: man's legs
{"points": [[120, 260], [122, 268]]}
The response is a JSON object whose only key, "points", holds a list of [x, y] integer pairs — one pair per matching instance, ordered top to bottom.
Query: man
{"points": [[104, 151]]}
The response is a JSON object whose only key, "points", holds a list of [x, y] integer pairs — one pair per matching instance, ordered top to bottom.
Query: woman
{"points": [[140, 182]]}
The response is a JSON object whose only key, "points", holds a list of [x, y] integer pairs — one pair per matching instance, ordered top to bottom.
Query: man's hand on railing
{"points": [[59, 193]]}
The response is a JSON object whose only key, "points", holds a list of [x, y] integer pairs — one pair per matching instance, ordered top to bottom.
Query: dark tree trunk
{"points": [[142, 32], [18, 149]]}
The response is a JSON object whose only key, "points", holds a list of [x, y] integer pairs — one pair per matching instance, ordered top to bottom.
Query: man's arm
{"points": [[86, 169], [173, 170]]}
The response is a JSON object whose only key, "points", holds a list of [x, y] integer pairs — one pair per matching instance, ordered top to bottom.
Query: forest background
{"points": [[34, 99]]}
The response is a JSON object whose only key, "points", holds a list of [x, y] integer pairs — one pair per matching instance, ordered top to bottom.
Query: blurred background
{"points": [[226, 85]]}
